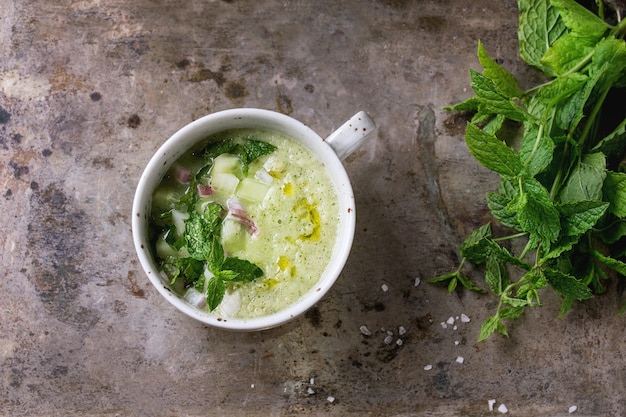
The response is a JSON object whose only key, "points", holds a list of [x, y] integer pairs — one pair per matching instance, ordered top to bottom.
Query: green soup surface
{"points": [[245, 225]]}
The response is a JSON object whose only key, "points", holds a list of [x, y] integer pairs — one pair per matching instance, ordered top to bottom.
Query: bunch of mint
{"points": [[562, 189]]}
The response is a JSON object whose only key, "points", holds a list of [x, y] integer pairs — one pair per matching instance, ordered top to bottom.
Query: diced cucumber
{"points": [[227, 164], [224, 183], [252, 191], [163, 198], [178, 219], [233, 235], [163, 249]]}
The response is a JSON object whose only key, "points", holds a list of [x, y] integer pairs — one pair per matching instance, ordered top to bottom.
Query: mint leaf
{"points": [[579, 19], [539, 26], [567, 52], [610, 57], [502, 78], [492, 100], [562, 101], [471, 104], [614, 142], [215, 149], [253, 149], [536, 150], [491, 152], [586, 180], [614, 191], [498, 204], [536, 212], [580, 216], [615, 232], [198, 234], [476, 247], [215, 260], [612, 263], [188, 268], [246, 270], [496, 274], [227, 275], [566, 285], [216, 290], [511, 312], [489, 326]]}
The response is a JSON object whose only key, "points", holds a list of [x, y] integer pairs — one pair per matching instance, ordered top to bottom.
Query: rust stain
{"points": [[61, 80], [135, 290]]}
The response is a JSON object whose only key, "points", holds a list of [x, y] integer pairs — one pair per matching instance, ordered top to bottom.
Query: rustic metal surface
{"points": [[88, 91]]}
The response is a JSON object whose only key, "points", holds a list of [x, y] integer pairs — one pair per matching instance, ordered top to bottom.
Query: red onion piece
{"points": [[182, 174], [205, 189], [237, 211]]}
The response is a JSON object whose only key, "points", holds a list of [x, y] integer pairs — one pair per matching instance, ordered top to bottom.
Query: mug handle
{"points": [[351, 134]]}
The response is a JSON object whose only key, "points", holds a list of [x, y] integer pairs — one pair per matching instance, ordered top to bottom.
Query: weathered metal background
{"points": [[89, 90]]}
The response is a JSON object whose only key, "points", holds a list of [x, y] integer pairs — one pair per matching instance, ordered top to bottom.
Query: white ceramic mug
{"points": [[330, 152]]}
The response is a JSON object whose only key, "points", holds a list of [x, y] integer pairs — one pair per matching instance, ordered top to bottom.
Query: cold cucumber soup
{"points": [[245, 225]]}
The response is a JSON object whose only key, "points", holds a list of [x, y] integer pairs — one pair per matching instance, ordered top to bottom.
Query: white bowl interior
{"points": [[193, 134]]}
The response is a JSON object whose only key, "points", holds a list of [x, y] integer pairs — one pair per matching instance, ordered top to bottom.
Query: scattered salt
{"points": [[417, 281], [384, 287], [464, 318], [450, 320], [444, 325], [455, 327], [401, 330], [365, 331], [388, 340], [399, 342], [456, 343], [460, 359], [428, 367], [312, 381], [251, 385], [310, 390], [330, 399], [491, 403], [502, 408], [572, 409]]}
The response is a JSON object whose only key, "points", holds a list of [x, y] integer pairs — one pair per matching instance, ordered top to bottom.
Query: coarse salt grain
{"points": [[417, 281], [384, 287], [465, 319], [450, 320], [444, 325], [455, 327], [401, 330], [365, 331], [388, 340], [399, 342], [456, 343], [460, 359], [428, 367], [312, 381], [251, 385], [310, 390], [330, 399], [491, 403], [502, 408], [572, 409]]}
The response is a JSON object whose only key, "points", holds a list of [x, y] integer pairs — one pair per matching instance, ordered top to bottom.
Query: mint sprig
{"points": [[562, 188], [199, 248]]}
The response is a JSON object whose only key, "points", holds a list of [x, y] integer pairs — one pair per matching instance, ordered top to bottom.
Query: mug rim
{"points": [[193, 134]]}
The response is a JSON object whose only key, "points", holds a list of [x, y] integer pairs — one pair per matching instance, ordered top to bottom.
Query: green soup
{"points": [[246, 225]]}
